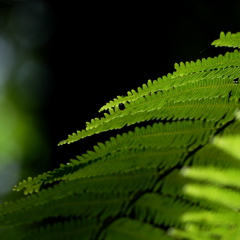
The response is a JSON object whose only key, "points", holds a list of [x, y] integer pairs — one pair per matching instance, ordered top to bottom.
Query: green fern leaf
{"points": [[227, 40], [228, 60], [172, 81], [210, 109], [176, 134], [222, 177], [141, 180], [221, 187], [231, 199], [85, 205], [152, 208], [130, 229], [71, 230]]}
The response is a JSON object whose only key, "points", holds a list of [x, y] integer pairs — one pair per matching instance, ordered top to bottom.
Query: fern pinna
{"points": [[131, 186]]}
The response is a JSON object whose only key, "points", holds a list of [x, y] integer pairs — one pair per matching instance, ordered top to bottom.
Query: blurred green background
{"points": [[25, 29], [61, 61]]}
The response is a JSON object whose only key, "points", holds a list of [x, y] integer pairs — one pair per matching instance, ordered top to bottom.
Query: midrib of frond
{"points": [[233, 128]]}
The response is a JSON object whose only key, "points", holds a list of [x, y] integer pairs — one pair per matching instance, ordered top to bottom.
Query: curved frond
{"points": [[172, 81], [212, 109], [187, 134], [141, 180]]}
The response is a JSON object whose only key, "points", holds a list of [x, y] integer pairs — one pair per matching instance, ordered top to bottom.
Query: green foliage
{"points": [[228, 40], [141, 184], [220, 187]]}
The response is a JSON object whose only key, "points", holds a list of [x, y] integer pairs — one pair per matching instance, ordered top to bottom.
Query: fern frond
{"points": [[227, 40], [228, 60], [173, 81], [194, 90], [199, 90], [209, 109], [232, 129], [176, 134], [157, 137], [230, 144], [210, 155], [130, 160], [122, 163], [222, 177], [141, 180], [89, 181], [32, 184], [131, 186], [172, 186], [219, 186], [224, 197], [87, 204], [161, 210], [227, 218], [222, 225], [130, 229], [68, 230], [194, 232]]}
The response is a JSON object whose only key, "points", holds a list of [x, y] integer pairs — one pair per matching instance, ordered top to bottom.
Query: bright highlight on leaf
{"points": [[230, 144]]}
